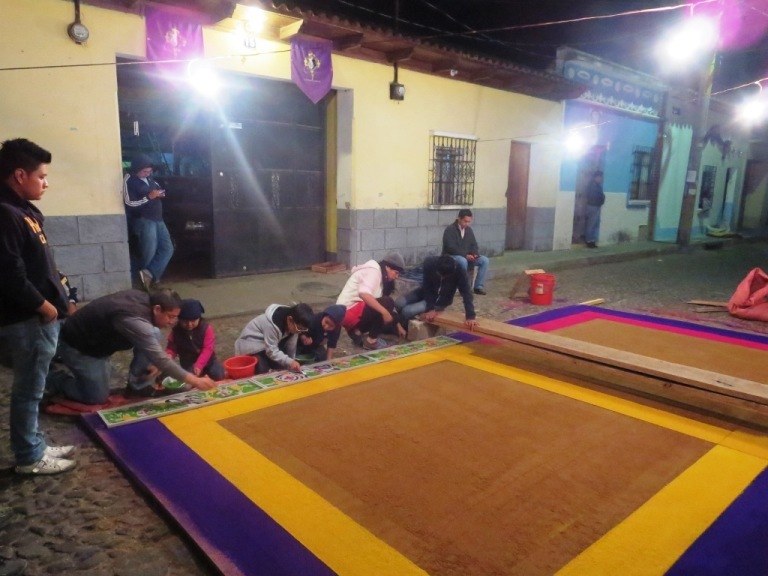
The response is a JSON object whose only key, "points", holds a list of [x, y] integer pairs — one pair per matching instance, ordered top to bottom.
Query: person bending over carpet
{"points": [[442, 277], [366, 296], [131, 319], [273, 335], [323, 336], [193, 341]]}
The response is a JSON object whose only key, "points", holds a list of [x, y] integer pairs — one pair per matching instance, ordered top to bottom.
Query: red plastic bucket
{"points": [[542, 288], [240, 366]]}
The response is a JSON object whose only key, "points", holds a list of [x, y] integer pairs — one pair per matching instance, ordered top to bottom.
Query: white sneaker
{"points": [[146, 279], [59, 451], [47, 465]]}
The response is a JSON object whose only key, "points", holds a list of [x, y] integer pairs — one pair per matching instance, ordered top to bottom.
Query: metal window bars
{"points": [[452, 170]]}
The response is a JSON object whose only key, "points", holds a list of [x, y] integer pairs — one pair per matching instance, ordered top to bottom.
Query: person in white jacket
{"points": [[366, 296], [272, 337]]}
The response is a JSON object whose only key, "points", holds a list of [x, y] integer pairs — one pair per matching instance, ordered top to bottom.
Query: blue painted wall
{"points": [[619, 133]]}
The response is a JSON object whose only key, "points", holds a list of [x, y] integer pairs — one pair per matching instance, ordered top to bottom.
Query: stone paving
{"points": [[93, 521]]}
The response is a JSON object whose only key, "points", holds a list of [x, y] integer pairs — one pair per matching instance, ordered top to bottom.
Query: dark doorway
{"points": [[593, 160], [244, 173]]}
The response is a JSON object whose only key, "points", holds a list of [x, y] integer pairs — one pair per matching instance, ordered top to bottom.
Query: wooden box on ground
{"points": [[328, 267]]}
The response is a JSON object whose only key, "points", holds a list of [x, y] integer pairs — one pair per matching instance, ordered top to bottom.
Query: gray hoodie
{"points": [[262, 335]]}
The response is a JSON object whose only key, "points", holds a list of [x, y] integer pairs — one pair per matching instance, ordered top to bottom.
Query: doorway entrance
{"points": [[593, 160], [244, 173]]}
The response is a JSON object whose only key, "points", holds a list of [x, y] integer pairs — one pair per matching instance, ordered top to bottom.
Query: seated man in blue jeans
{"points": [[459, 242], [442, 277], [125, 320]]}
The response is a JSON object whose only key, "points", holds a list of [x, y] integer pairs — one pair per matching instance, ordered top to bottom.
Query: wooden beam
{"points": [[290, 30], [352, 40], [399, 55], [722, 394]]}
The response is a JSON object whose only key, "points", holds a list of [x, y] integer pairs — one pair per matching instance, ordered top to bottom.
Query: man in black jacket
{"points": [[459, 242], [442, 277], [32, 299], [131, 319]]}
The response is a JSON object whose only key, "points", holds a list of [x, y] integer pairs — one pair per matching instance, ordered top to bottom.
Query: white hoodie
{"points": [[364, 279], [262, 334]]}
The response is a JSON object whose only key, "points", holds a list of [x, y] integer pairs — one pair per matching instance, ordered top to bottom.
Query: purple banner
{"points": [[172, 35], [311, 67]]}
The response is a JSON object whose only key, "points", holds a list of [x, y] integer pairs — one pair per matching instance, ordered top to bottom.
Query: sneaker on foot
{"points": [[146, 279], [480, 291], [148, 392], [59, 451], [47, 465], [12, 567]]}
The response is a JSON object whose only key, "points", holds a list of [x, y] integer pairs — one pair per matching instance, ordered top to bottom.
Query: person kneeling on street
{"points": [[442, 277], [131, 319], [273, 335], [193, 341], [319, 344]]}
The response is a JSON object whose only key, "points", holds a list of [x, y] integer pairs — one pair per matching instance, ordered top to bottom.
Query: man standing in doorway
{"points": [[143, 199], [595, 201], [459, 242], [32, 299]]}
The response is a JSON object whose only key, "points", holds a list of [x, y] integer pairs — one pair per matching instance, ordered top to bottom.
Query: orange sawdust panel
{"points": [[708, 354], [467, 472]]}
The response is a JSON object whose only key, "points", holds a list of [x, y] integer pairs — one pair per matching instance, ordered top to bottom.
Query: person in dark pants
{"points": [[143, 198], [595, 201], [459, 242], [442, 278], [32, 300], [130, 319], [323, 336]]}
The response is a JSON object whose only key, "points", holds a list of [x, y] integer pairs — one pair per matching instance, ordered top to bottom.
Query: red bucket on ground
{"points": [[542, 288], [240, 366]]}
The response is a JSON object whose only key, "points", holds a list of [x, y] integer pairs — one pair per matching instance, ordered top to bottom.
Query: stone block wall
{"points": [[414, 232], [92, 251]]}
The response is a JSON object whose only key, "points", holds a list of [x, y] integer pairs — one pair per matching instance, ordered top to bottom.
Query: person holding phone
{"points": [[143, 198]]}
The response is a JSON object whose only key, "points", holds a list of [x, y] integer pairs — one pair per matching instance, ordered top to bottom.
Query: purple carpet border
{"points": [[558, 313], [238, 536], [736, 543]]}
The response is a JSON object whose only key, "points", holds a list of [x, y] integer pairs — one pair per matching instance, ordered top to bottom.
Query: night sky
{"points": [[479, 26]]}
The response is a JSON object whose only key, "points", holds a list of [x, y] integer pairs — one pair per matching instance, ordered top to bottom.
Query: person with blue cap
{"points": [[143, 198], [323, 336], [193, 341]]}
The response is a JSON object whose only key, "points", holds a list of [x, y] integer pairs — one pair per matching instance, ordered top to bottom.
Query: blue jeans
{"points": [[592, 226], [155, 247], [481, 263], [410, 305], [32, 347], [88, 378]]}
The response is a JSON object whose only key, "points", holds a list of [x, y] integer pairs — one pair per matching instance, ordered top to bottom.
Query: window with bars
{"points": [[452, 170], [639, 188]]}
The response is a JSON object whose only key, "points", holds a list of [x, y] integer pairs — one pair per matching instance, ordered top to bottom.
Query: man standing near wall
{"points": [[143, 199], [595, 201], [459, 242], [32, 299]]}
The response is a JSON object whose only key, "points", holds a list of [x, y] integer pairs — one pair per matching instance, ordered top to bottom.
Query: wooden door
{"points": [[517, 195]]}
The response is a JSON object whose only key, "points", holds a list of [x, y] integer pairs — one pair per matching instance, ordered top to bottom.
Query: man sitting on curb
{"points": [[459, 242], [442, 277], [120, 321]]}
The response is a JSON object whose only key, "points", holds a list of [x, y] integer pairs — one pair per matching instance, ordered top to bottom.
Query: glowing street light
{"points": [[684, 46], [203, 78]]}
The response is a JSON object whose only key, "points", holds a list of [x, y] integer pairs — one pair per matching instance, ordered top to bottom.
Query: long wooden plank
{"points": [[722, 384]]}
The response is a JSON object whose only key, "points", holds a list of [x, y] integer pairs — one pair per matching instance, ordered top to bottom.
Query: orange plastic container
{"points": [[542, 289], [240, 366]]}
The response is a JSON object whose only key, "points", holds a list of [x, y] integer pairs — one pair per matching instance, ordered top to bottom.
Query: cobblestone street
{"points": [[93, 521]]}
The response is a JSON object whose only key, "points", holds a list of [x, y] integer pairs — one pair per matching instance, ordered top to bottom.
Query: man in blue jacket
{"points": [[143, 198], [442, 277], [32, 300]]}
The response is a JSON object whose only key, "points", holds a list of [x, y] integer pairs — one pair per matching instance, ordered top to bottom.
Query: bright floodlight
{"points": [[684, 45], [203, 78], [752, 111], [575, 143]]}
